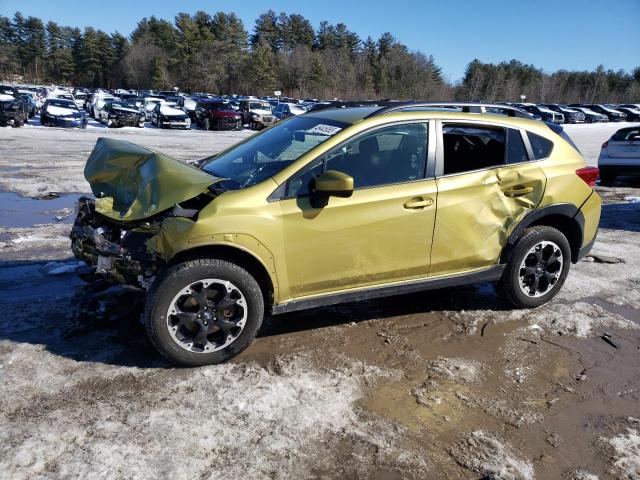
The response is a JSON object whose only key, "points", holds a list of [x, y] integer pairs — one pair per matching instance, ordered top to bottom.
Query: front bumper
{"points": [[8, 117], [124, 121], [61, 122], [174, 123], [227, 123], [116, 252]]}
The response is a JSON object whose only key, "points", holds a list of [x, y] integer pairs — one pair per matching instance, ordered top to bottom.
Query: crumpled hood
{"points": [[132, 182]]}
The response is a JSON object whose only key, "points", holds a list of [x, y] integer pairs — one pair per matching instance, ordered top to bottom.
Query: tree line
{"points": [[215, 53]]}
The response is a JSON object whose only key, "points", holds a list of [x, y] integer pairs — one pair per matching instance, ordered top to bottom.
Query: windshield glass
{"points": [[63, 103], [123, 105], [217, 106], [259, 106], [265, 154]]}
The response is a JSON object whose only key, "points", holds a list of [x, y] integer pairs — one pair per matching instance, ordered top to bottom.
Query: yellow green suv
{"points": [[338, 205]]}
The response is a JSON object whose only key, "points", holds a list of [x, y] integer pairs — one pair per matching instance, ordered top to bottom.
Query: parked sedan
{"points": [[32, 106], [59, 112], [544, 113], [121, 114], [612, 114], [633, 114], [168, 115], [571, 115], [589, 115], [620, 155]]}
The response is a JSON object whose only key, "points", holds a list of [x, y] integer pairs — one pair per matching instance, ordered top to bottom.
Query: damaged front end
{"points": [[135, 190], [116, 250]]}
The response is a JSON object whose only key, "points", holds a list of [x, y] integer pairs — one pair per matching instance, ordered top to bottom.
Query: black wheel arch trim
{"points": [[567, 210]]}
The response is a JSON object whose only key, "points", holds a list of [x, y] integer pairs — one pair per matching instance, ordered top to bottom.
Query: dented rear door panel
{"points": [[477, 211]]}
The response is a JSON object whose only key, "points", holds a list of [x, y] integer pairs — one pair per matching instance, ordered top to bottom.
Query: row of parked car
{"points": [[165, 109], [172, 109], [582, 112]]}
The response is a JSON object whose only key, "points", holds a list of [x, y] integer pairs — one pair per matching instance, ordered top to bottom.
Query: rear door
{"points": [[486, 184]]}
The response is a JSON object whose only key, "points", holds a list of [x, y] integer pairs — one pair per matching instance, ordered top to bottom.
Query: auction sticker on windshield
{"points": [[322, 129]]}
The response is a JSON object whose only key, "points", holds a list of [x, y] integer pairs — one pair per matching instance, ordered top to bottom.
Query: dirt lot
{"points": [[448, 384]]}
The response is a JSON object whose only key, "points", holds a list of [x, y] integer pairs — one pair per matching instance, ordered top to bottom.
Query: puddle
{"points": [[17, 211]]}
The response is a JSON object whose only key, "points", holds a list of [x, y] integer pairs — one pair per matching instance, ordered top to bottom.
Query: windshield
{"points": [[63, 103], [123, 105], [217, 106], [259, 106], [265, 154]]}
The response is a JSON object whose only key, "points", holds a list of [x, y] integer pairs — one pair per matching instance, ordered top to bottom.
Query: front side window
{"points": [[472, 147], [267, 153], [386, 156]]}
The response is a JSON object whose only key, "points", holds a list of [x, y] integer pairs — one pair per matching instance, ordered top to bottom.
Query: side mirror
{"points": [[331, 183]]}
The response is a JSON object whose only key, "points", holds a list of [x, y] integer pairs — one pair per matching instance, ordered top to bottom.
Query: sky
{"points": [[550, 34]]}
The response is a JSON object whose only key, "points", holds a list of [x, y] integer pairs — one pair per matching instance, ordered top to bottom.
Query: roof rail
{"points": [[352, 103], [467, 107]]}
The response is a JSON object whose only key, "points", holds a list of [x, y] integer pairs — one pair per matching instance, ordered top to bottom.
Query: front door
{"points": [[486, 185], [381, 234]]}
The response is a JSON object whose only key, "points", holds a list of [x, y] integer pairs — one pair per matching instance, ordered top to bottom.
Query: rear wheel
{"points": [[536, 267], [203, 312]]}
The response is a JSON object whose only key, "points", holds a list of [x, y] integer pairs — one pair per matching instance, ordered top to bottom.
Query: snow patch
{"points": [[60, 111], [170, 111], [579, 320], [455, 369], [240, 420], [626, 448], [486, 454]]}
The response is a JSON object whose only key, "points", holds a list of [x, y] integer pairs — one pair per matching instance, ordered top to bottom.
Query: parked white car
{"points": [[98, 102], [148, 105], [620, 155]]}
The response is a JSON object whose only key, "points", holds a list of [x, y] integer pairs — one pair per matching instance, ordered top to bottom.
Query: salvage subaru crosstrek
{"points": [[338, 205]]}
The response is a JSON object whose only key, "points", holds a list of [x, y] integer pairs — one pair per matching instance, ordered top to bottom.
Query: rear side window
{"points": [[627, 135], [541, 146], [472, 147], [516, 151]]}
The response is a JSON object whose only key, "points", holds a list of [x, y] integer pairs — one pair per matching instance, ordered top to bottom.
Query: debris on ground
{"points": [[593, 257]]}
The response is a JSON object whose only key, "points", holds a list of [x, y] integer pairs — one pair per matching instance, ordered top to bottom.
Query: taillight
{"points": [[605, 144], [589, 175]]}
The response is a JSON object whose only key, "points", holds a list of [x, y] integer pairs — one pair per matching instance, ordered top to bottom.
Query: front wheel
{"points": [[536, 267], [203, 312]]}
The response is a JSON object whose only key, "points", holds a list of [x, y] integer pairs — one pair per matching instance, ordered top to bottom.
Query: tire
{"points": [[607, 175], [551, 276], [165, 295]]}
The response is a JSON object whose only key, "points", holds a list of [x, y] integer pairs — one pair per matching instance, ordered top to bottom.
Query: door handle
{"points": [[517, 191], [418, 203]]}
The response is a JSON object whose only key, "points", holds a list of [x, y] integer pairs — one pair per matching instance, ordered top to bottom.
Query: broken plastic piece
{"points": [[609, 339]]}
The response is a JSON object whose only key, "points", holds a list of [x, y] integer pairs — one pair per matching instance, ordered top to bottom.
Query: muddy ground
{"points": [[449, 384]]}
